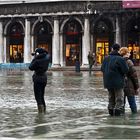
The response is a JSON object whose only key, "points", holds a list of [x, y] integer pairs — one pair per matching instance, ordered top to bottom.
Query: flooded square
{"points": [[76, 108]]}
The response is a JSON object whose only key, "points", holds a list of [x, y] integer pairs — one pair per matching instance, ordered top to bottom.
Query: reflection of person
{"points": [[91, 60], [40, 65], [114, 68], [131, 81], [40, 128]]}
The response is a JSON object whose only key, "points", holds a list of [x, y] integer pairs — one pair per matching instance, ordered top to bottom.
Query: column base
{"points": [[56, 65], [85, 65]]}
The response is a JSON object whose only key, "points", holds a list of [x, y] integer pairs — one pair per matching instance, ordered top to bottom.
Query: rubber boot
{"points": [[41, 109], [111, 112]]}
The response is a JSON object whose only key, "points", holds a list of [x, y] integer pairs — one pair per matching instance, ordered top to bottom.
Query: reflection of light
{"points": [[136, 26], [103, 27], [42, 29]]}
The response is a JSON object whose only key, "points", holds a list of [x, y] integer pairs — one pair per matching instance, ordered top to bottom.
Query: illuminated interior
{"points": [[44, 46], [102, 49], [72, 50], [135, 52], [16, 53]]}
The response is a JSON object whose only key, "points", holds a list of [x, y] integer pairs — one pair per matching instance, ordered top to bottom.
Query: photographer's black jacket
{"points": [[40, 65]]}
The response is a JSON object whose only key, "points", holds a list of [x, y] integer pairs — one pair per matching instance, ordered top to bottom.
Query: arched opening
{"points": [[133, 35], [43, 36], [103, 39], [72, 42], [16, 43]]}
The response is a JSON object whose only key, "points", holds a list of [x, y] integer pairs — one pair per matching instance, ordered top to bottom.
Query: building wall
{"points": [[98, 25]]}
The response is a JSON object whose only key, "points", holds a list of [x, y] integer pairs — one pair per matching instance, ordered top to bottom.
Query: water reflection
{"points": [[76, 108]]}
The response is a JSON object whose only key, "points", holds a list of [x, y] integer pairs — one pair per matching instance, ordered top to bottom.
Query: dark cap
{"points": [[116, 46], [39, 51]]}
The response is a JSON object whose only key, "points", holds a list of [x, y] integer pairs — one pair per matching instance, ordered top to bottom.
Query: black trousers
{"points": [[39, 90]]}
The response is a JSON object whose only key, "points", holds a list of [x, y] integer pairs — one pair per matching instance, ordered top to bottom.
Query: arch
{"points": [[66, 20], [38, 21], [7, 26], [102, 31], [14, 32], [42, 35], [133, 39], [72, 41]]}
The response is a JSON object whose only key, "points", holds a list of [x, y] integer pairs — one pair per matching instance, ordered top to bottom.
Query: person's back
{"points": [[114, 68]]}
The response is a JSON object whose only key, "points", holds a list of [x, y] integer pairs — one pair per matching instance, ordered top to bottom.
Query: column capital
{"points": [[55, 17]]}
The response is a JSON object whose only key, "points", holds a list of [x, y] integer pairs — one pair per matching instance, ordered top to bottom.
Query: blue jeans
{"points": [[132, 103]]}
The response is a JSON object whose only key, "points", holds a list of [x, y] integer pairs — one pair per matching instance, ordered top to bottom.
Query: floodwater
{"points": [[76, 108]]}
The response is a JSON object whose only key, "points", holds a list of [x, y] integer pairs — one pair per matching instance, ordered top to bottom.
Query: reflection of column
{"points": [[118, 32], [27, 42], [86, 42], [1, 43], [56, 45], [61, 50]]}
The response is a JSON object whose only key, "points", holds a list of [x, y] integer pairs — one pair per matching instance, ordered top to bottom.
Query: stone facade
{"points": [[95, 25]]}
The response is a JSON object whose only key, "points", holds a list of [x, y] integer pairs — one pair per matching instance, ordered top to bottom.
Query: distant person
{"points": [[131, 56], [91, 60], [39, 65], [77, 65], [114, 69], [131, 80]]}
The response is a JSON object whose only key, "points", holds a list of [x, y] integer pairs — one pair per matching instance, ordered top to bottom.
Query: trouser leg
{"points": [[90, 68], [39, 89], [111, 99], [119, 102], [132, 103]]}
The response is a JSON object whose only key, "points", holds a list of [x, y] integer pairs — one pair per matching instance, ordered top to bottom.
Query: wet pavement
{"points": [[76, 108]]}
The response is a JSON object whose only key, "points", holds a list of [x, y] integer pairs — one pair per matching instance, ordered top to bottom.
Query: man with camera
{"points": [[40, 65]]}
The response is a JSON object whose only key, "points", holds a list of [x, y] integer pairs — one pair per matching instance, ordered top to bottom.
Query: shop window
{"points": [[102, 49], [16, 53], [135, 53]]}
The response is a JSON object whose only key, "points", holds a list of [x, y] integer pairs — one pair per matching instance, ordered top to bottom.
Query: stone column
{"points": [[118, 31], [27, 42], [86, 42], [1, 43], [56, 45], [5, 47], [61, 50]]}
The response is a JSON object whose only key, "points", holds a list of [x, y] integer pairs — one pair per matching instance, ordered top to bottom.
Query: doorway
{"points": [[72, 39], [16, 41]]}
